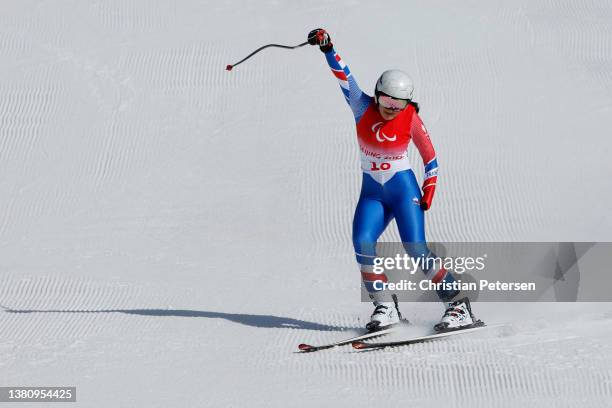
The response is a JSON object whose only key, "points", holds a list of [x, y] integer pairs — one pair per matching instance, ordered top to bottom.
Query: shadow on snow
{"points": [[265, 321]]}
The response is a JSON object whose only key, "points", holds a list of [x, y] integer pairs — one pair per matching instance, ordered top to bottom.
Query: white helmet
{"points": [[396, 84]]}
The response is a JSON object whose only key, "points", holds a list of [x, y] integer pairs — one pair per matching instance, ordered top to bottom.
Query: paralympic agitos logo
{"points": [[380, 136]]}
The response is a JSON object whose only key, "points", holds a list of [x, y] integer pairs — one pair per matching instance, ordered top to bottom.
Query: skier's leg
{"points": [[402, 192], [404, 195], [370, 220]]}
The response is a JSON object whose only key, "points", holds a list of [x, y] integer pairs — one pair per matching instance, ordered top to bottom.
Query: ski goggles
{"points": [[392, 103]]}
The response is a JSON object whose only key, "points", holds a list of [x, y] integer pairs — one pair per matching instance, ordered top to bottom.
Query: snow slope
{"points": [[170, 231]]}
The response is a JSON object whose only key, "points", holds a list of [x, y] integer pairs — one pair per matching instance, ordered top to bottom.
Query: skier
{"points": [[386, 123]]}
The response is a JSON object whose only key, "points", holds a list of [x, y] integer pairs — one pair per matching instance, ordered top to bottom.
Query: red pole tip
{"points": [[229, 68], [358, 345]]}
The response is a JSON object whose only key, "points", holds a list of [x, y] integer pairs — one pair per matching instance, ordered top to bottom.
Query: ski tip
{"points": [[229, 68], [358, 345], [305, 347]]}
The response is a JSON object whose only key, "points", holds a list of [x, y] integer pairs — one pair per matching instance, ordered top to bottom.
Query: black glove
{"points": [[321, 38]]}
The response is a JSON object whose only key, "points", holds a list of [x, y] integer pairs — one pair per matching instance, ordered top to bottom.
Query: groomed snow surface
{"points": [[170, 232]]}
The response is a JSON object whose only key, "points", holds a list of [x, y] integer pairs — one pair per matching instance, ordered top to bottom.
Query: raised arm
{"points": [[355, 97], [423, 143]]}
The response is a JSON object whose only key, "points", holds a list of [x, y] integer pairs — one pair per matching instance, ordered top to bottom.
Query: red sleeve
{"points": [[419, 134], [421, 139]]}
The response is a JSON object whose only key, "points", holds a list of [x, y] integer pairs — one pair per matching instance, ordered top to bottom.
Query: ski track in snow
{"points": [[171, 232]]}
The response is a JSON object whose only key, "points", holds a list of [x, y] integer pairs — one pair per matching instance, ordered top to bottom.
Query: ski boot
{"points": [[386, 314], [458, 316]]}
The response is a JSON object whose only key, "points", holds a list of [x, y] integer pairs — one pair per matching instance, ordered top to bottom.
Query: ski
{"points": [[360, 345], [307, 348]]}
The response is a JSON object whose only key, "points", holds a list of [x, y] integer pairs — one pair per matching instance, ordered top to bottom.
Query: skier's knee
{"points": [[364, 242], [365, 248]]}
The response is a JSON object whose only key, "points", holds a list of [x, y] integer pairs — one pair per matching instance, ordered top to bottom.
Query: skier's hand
{"points": [[320, 37], [428, 193]]}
